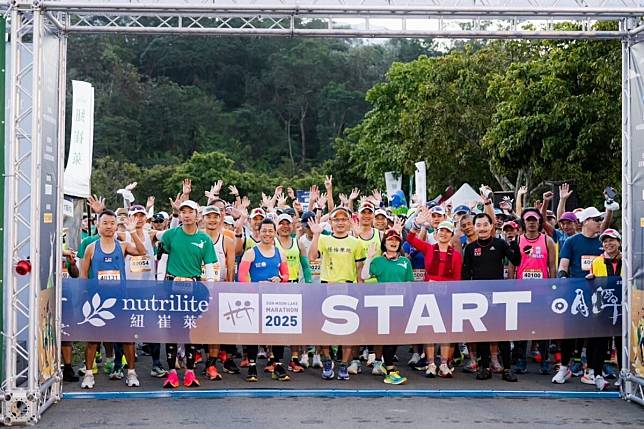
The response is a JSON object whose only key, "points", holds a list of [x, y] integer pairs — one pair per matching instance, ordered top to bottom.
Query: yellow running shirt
{"points": [[339, 257]]}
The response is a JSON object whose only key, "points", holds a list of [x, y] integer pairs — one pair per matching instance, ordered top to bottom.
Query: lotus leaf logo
{"points": [[96, 313]]}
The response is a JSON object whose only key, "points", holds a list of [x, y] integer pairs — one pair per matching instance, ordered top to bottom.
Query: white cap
{"points": [[189, 203], [382, 212], [588, 213], [284, 216], [229, 220]]}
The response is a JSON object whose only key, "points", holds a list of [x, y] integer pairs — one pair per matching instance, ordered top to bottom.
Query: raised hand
{"points": [[328, 183], [131, 186], [186, 187], [278, 190], [233, 191], [564, 191], [355, 192], [291, 193], [377, 195], [547, 197], [281, 200], [344, 200], [267, 201], [150, 202], [245, 202], [176, 203], [97, 204], [297, 206], [423, 217], [398, 225], [315, 226], [372, 251]]}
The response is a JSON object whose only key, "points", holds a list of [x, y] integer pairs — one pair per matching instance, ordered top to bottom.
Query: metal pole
{"points": [[627, 244]]}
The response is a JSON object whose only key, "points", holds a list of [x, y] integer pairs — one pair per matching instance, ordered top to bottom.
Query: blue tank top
{"points": [[108, 266], [263, 268]]}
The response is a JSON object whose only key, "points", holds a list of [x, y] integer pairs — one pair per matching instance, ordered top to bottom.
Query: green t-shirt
{"points": [[86, 242], [186, 253], [389, 271]]}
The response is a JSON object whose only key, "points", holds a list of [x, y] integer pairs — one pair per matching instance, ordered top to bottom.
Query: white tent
{"points": [[465, 195]]}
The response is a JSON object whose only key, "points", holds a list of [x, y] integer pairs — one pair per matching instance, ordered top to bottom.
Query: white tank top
{"points": [[221, 256], [141, 267]]}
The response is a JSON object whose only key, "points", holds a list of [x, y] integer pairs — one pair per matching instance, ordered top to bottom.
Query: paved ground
{"points": [[354, 413]]}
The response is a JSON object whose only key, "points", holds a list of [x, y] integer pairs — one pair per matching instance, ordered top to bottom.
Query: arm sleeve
{"points": [[419, 244], [366, 268], [306, 269], [466, 270], [244, 271], [284, 271]]}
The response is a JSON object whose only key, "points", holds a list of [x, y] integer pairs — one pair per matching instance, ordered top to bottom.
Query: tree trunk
{"points": [[303, 110], [287, 125]]}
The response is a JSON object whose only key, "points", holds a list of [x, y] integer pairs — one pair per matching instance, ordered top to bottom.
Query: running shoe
{"points": [[261, 353], [365, 354], [222, 356], [536, 356], [99, 357], [198, 357], [371, 358], [304, 360], [413, 360], [123, 361], [317, 361], [244, 362], [294, 365], [421, 365], [108, 366], [470, 366], [495, 366], [230, 367], [270, 367], [521, 367], [354, 368], [378, 368], [544, 368], [577, 368], [327, 370], [445, 371], [609, 371], [158, 372], [343, 372], [430, 372], [212, 373], [252, 373], [280, 373], [68, 374], [117, 374], [484, 374], [508, 375], [562, 375], [393, 377], [588, 377], [190, 379], [132, 380], [88, 381], [172, 381], [600, 383]]}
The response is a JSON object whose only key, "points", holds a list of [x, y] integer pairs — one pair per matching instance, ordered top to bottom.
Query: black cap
{"points": [[306, 216]]}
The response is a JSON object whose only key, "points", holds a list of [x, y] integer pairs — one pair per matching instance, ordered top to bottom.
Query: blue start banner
{"points": [[300, 314]]}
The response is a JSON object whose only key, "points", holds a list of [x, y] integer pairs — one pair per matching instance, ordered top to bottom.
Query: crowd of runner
{"points": [[348, 239]]}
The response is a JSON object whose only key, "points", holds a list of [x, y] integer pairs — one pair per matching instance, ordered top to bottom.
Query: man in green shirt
{"points": [[188, 249]]}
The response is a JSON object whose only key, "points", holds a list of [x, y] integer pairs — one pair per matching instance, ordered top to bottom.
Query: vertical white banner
{"points": [[78, 171], [393, 182], [421, 182]]}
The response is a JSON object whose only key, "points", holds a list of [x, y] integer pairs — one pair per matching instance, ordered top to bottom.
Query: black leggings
{"points": [[521, 349], [597, 351], [278, 353], [388, 353], [171, 354], [485, 355]]}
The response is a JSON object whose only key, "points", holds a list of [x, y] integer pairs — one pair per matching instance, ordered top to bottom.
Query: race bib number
{"points": [[587, 262], [140, 264], [315, 268], [217, 271], [506, 272], [65, 274], [532, 274], [109, 275], [419, 275]]}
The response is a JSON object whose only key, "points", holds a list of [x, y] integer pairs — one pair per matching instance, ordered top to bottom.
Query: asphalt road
{"points": [[349, 412]]}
